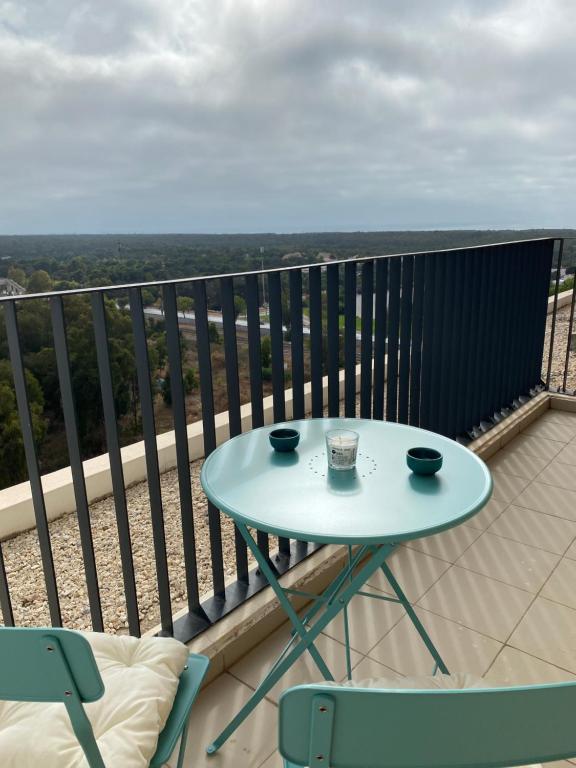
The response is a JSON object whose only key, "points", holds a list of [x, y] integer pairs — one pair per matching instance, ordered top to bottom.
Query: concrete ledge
{"points": [[564, 298]]}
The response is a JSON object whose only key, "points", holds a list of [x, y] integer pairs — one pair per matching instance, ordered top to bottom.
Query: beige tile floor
{"points": [[497, 595]]}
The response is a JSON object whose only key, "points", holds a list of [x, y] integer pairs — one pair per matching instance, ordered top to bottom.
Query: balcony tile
{"points": [[563, 431], [540, 447], [567, 455], [512, 463], [559, 475], [507, 487], [549, 499], [487, 514], [527, 526], [448, 545], [571, 551], [509, 561], [414, 571], [561, 586], [478, 602], [369, 620], [548, 631], [462, 649], [253, 667], [513, 667], [370, 668], [253, 742]]}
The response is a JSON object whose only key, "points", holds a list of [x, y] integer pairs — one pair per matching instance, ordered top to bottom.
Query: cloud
{"points": [[208, 115]]}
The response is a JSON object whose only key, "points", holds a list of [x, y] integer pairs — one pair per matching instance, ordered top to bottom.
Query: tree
{"points": [[18, 275], [40, 282], [184, 304], [239, 307], [213, 333], [266, 352], [190, 380], [12, 457]]}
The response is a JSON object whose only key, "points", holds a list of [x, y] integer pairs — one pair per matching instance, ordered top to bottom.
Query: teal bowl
{"points": [[284, 439], [424, 461]]}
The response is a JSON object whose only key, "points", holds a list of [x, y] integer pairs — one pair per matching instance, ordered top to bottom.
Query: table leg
{"points": [[285, 602], [414, 618], [307, 637]]}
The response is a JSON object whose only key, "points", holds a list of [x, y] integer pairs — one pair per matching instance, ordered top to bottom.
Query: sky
{"points": [[286, 115]]}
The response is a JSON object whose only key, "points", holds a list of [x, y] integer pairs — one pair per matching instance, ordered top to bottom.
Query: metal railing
{"points": [[447, 341]]}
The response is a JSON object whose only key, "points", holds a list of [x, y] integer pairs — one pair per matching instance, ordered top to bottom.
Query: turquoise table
{"points": [[369, 509]]}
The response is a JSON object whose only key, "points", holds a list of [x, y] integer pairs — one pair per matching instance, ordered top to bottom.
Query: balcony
{"points": [[465, 343]]}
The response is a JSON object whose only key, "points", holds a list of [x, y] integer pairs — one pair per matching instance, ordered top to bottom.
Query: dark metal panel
{"points": [[544, 265], [315, 288], [445, 288], [464, 289], [554, 311], [380, 326], [429, 333], [405, 337], [333, 338], [350, 339], [393, 339], [366, 340], [569, 340], [297, 344], [277, 345], [416, 345], [231, 355], [254, 358], [255, 365], [233, 391], [208, 427], [181, 437], [32, 462], [76, 466], [152, 469], [116, 470], [5, 601]]}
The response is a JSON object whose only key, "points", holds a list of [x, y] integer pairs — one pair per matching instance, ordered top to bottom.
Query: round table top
{"points": [[295, 495]]}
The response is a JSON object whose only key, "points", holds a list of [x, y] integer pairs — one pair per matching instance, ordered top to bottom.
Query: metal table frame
{"points": [[363, 562]]}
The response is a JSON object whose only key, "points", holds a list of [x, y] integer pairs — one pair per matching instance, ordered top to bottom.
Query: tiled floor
{"points": [[497, 595]]}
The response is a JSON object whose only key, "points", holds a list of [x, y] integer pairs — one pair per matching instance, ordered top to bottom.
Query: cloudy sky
{"points": [[286, 115]]}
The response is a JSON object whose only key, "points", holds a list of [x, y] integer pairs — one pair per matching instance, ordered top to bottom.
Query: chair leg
{"points": [[182, 749]]}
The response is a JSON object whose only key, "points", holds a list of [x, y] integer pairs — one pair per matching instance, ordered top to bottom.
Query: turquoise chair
{"points": [[57, 665], [347, 727]]}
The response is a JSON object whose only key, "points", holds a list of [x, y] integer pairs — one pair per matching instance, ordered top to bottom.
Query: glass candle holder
{"points": [[342, 448]]}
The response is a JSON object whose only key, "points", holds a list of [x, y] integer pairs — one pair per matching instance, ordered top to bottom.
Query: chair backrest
{"points": [[43, 664], [52, 665], [341, 727]]}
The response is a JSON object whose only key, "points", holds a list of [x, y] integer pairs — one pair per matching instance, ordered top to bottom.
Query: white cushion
{"points": [[140, 678], [417, 683]]}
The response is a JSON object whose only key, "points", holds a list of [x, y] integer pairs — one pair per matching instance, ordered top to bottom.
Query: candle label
{"points": [[343, 456]]}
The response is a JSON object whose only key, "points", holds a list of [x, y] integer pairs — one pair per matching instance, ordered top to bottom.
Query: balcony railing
{"points": [[449, 341]]}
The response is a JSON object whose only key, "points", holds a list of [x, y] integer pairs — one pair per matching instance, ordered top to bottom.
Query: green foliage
{"points": [[39, 282], [567, 285], [185, 304], [239, 307], [214, 334], [266, 352], [190, 380], [12, 458]]}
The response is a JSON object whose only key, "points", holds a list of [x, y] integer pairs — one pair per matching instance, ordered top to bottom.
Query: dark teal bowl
{"points": [[284, 439], [424, 461]]}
